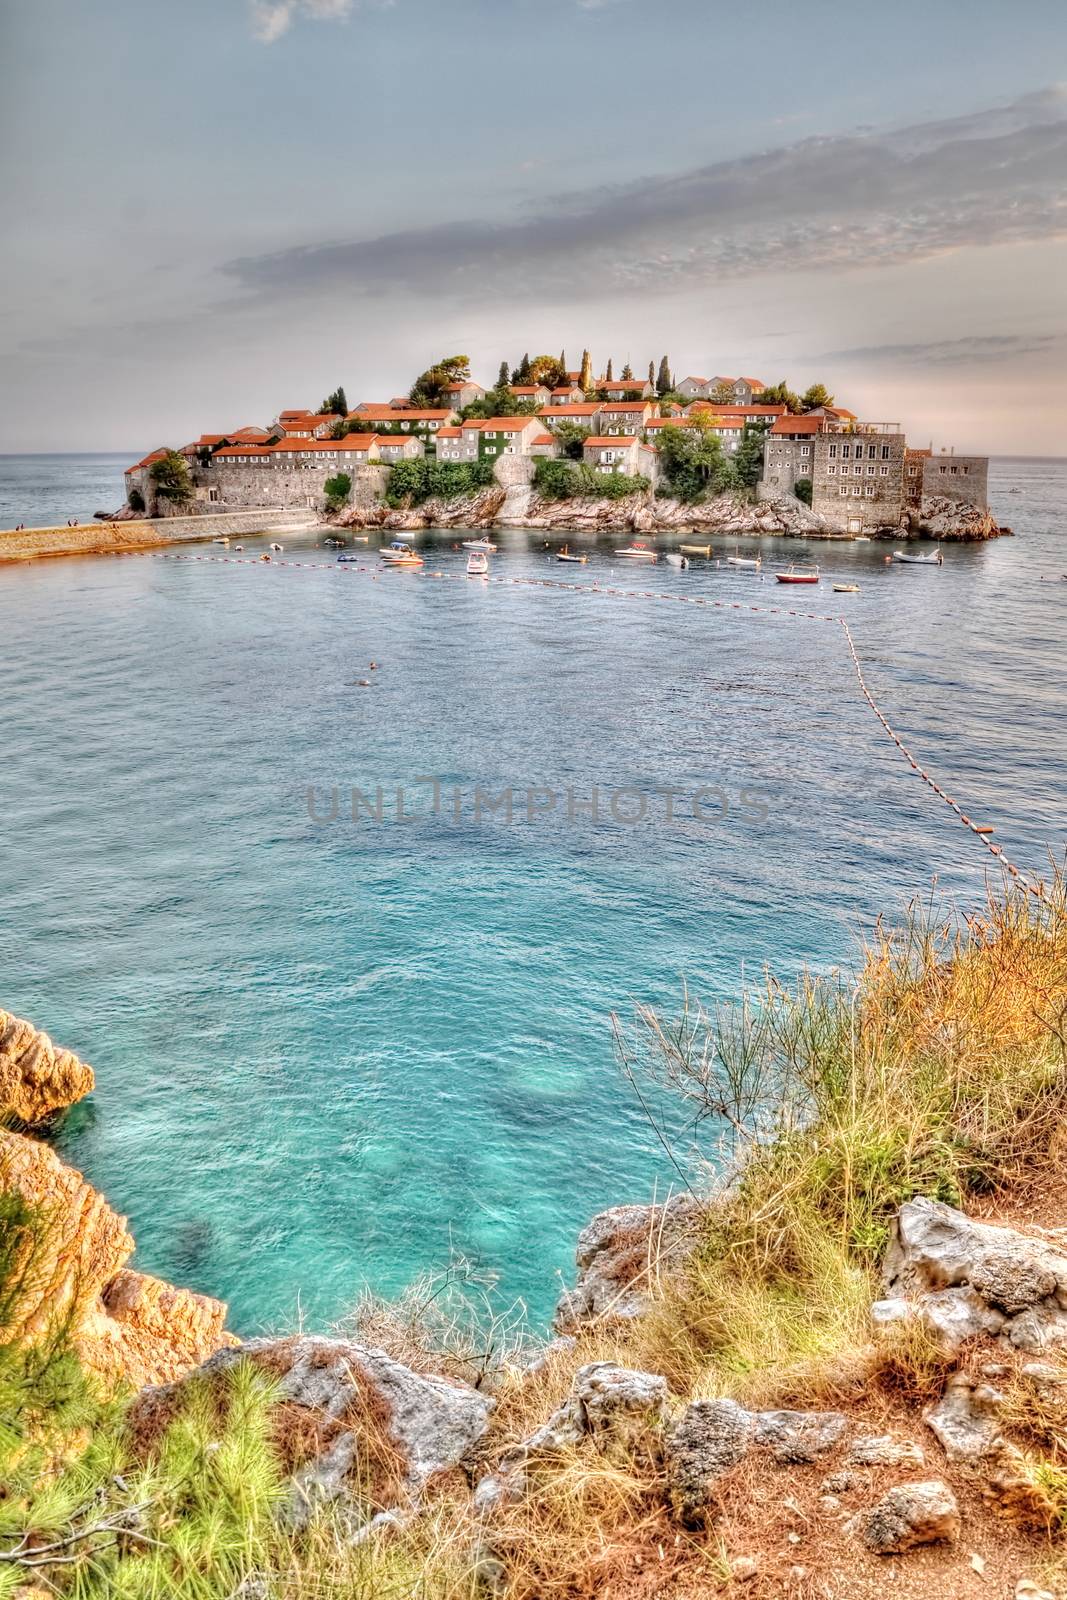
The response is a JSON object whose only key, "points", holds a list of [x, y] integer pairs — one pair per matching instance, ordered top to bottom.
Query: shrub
{"points": [[170, 474], [411, 482], [337, 490], [802, 490], [136, 500]]}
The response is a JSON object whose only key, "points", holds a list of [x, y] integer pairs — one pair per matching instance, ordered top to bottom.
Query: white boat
{"points": [[220, 541], [480, 544], [277, 547], [240, 548], [637, 552], [400, 554], [565, 555], [675, 559], [936, 559], [752, 562], [477, 564], [846, 588]]}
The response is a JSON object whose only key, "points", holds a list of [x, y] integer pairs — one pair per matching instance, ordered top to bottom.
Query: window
{"points": [[491, 435], [805, 449], [832, 451], [846, 451], [872, 451], [885, 452], [942, 470], [954, 470], [830, 471], [885, 471], [870, 472], [913, 472], [869, 489], [857, 490], [843, 491], [213, 495]]}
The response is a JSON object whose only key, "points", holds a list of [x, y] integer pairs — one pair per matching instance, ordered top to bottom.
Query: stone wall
{"points": [[868, 462], [964, 479], [214, 524]]}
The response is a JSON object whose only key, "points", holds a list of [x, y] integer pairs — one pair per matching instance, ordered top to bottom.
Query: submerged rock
{"points": [[37, 1078], [967, 1278]]}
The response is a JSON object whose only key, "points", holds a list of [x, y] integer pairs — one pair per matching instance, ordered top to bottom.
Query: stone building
{"points": [[626, 388], [741, 389], [538, 394], [568, 394], [458, 395], [585, 414], [626, 416], [424, 423], [507, 436], [788, 454], [628, 455], [857, 476], [962, 479]]}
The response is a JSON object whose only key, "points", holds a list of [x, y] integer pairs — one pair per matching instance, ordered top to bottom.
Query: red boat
{"points": [[804, 575]]}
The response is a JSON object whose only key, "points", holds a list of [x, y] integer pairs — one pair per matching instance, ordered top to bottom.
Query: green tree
{"points": [[547, 370], [522, 371], [607, 371], [627, 373], [652, 376], [503, 377], [586, 379], [664, 384], [426, 390], [722, 394], [779, 394], [818, 395], [335, 403], [571, 436], [693, 461], [748, 462], [170, 474], [337, 490], [802, 490], [135, 500]]}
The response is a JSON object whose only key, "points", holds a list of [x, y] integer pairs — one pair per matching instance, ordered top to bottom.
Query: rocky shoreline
{"points": [[495, 507]]}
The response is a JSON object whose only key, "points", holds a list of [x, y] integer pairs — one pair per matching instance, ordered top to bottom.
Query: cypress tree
{"points": [[627, 373], [608, 374], [652, 375], [502, 376], [586, 379], [664, 384]]}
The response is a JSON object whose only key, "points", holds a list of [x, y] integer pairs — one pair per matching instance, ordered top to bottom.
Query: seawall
{"points": [[108, 538]]}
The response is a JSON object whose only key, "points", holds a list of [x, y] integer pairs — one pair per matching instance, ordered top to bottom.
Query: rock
{"points": [[36, 1078], [613, 1255], [1011, 1283], [889, 1313], [123, 1324], [965, 1419], [798, 1436], [710, 1437], [882, 1450], [840, 1483], [912, 1514], [744, 1568], [1028, 1589]]}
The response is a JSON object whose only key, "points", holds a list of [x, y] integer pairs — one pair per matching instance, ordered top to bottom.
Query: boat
{"points": [[361, 538], [861, 538], [220, 541], [483, 545], [277, 547], [240, 548], [696, 550], [638, 551], [400, 554], [565, 555], [264, 557], [345, 557], [676, 559], [935, 559], [754, 562], [477, 564], [799, 575], [846, 588]]}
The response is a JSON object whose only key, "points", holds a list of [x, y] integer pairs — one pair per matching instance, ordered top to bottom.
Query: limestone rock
{"points": [[37, 1079], [613, 1255], [1002, 1281], [123, 1324], [965, 1419], [432, 1422], [798, 1436], [710, 1437], [882, 1450], [912, 1514]]}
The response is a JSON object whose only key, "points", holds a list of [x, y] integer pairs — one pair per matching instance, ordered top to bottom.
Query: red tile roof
{"points": [[623, 383], [754, 383], [528, 388], [628, 406], [583, 409], [739, 411], [377, 413], [506, 424], [786, 425], [450, 433], [545, 438], [352, 441], [605, 441], [153, 455]]}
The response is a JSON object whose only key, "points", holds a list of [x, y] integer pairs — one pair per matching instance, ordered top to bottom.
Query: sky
{"points": [[217, 209]]}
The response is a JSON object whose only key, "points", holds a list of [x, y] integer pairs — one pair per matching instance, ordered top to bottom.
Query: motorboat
{"points": [[220, 541], [484, 545], [277, 547], [240, 549], [638, 551], [400, 554], [565, 555], [345, 557], [676, 559], [935, 559], [752, 563], [477, 564], [799, 575], [846, 588]]}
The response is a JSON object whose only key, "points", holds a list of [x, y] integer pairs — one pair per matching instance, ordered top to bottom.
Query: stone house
{"points": [[626, 388], [694, 388], [741, 389], [538, 394], [567, 394], [458, 395], [585, 413], [743, 413], [626, 416], [423, 423], [507, 436], [450, 444], [544, 444], [396, 447], [626, 454], [788, 454], [857, 477], [913, 477], [139, 478], [963, 479]]}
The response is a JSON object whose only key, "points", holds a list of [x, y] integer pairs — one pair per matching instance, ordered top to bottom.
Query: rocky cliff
{"points": [[73, 1266]]}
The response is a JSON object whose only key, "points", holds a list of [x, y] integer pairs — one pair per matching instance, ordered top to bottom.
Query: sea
{"points": [[344, 1040]]}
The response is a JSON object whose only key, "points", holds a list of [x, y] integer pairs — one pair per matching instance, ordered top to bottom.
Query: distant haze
{"points": [[218, 210]]}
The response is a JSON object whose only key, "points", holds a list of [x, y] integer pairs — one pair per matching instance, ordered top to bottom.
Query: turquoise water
{"points": [[328, 1053]]}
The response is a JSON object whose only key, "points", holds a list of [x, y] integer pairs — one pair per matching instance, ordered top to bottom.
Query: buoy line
{"points": [[594, 588]]}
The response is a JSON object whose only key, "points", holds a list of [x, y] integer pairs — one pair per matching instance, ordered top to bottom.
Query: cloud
{"points": [[272, 18], [851, 200], [976, 349]]}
